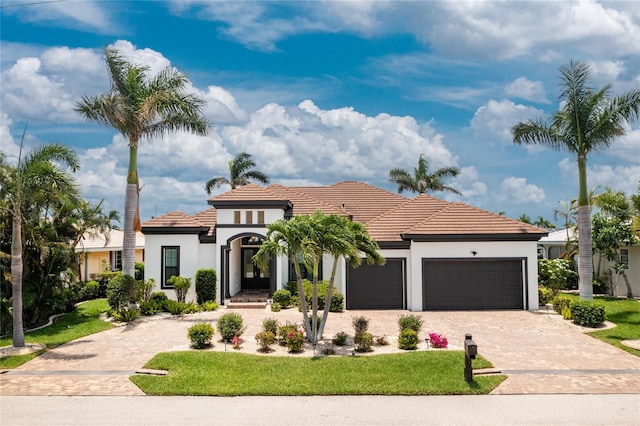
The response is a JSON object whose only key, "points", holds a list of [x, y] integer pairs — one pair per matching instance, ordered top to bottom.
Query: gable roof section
{"points": [[249, 196], [363, 201], [304, 204], [459, 221], [174, 223], [112, 241]]}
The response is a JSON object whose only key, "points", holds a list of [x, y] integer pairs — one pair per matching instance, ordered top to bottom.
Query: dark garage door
{"points": [[450, 284], [376, 286]]}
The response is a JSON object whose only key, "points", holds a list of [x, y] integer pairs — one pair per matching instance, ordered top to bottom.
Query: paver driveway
{"points": [[539, 352]]}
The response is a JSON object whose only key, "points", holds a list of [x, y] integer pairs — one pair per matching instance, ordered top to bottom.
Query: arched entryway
{"points": [[240, 272]]}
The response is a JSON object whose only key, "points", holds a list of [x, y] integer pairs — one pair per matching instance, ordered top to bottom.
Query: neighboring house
{"points": [[553, 247], [100, 252], [440, 255]]}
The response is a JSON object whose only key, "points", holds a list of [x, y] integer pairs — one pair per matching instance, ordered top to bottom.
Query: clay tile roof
{"points": [[249, 192], [363, 201], [304, 204], [207, 218], [174, 219], [463, 219], [394, 222]]}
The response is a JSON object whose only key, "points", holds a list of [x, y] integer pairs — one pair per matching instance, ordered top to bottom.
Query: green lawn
{"points": [[625, 313], [84, 320], [229, 374]]}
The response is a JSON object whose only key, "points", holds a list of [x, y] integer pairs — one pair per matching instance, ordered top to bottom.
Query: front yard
{"points": [[228, 374]]}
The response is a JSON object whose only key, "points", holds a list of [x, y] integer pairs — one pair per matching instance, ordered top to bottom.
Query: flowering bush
{"points": [[295, 340], [438, 340], [237, 342]]}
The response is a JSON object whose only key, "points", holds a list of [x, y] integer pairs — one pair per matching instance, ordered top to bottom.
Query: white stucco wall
{"points": [[484, 249], [618, 285]]}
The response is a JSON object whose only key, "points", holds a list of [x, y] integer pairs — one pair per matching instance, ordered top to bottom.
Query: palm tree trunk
{"points": [[130, 211], [585, 255], [16, 280], [303, 299], [327, 303]]}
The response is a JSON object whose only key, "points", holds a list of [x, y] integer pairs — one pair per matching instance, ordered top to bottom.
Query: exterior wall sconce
{"points": [[473, 252]]}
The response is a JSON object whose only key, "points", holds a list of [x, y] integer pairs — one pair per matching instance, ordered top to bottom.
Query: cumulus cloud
{"points": [[83, 15], [526, 89], [493, 121], [620, 177], [519, 191]]}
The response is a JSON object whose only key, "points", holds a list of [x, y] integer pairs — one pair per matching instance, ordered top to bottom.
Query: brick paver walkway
{"points": [[540, 352]]}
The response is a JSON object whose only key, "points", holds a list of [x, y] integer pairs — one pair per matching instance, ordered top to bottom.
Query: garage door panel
{"points": [[458, 284], [376, 286]]}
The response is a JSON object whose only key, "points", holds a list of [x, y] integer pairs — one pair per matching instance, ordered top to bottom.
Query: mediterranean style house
{"points": [[553, 246], [103, 252], [439, 255]]}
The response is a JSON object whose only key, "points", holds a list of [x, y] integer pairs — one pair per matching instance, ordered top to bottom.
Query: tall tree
{"points": [[142, 106], [588, 120], [240, 173], [34, 178], [423, 182], [567, 211], [541, 222], [612, 230], [312, 237]]}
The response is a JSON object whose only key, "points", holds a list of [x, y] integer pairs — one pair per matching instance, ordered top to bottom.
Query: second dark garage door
{"points": [[450, 284], [376, 286]]}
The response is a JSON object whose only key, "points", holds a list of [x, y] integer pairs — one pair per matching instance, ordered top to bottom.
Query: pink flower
{"points": [[438, 340]]}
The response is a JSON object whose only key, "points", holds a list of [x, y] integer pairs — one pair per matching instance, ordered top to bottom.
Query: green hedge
{"points": [[206, 282], [587, 313]]}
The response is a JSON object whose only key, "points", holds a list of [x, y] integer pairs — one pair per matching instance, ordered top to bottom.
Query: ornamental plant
{"points": [[411, 322], [360, 324], [230, 325], [200, 335], [265, 339], [340, 339], [295, 340], [408, 340], [438, 340], [363, 341], [237, 342]]}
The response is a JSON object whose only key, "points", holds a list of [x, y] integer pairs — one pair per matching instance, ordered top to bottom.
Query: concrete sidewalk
{"points": [[541, 353]]}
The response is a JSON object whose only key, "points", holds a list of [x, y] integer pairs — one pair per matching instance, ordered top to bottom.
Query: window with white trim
{"points": [[170, 264]]}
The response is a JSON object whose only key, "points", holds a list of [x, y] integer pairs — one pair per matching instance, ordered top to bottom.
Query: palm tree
{"points": [[140, 106], [588, 120], [240, 173], [33, 179], [422, 181], [567, 211], [524, 218], [541, 222]]}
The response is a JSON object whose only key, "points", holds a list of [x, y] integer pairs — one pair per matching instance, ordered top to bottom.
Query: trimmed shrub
{"points": [[206, 282], [181, 286], [292, 287], [90, 290], [120, 291], [545, 295], [282, 297], [159, 298], [337, 299], [561, 302], [275, 307], [566, 313], [587, 313], [126, 314], [410, 322], [270, 324], [360, 324], [230, 325], [284, 330], [200, 335], [265, 339], [340, 339], [408, 339], [295, 340], [382, 341], [363, 342]]}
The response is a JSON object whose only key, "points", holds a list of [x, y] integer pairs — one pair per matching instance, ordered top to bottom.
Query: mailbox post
{"points": [[470, 352]]}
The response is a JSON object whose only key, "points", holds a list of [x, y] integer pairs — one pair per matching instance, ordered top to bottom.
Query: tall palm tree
{"points": [[141, 106], [588, 120], [240, 173], [34, 178], [422, 181], [567, 211]]}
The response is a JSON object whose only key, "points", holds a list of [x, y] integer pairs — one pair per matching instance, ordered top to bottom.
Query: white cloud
{"points": [[84, 15], [526, 89], [493, 121], [620, 177], [469, 184], [517, 190]]}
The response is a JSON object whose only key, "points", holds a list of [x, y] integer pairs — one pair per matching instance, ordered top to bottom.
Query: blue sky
{"points": [[320, 92]]}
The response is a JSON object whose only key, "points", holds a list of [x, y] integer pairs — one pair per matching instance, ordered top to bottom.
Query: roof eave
{"points": [[249, 204], [151, 230], [472, 237]]}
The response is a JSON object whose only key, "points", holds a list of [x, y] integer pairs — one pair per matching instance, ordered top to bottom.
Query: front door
{"points": [[253, 277]]}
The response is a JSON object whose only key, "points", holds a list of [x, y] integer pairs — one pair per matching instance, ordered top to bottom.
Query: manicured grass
{"points": [[625, 313], [84, 320], [228, 374]]}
